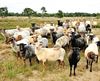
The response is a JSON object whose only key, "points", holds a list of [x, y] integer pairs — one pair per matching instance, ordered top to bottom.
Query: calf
{"points": [[60, 23], [88, 28], [7, 33], [55, 36], [78, 41], [27, 52], [91, 54], [73, 57], [90, 58]]}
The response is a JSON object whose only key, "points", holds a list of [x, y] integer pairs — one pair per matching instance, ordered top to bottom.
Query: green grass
{"points": [[12, 22], [98, 26], [1, 38], [13, 69]]}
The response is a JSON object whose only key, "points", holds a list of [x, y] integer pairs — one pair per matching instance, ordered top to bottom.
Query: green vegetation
{"points": [[43, 9], [3, 11], [29, 12], [60, 14], [12, 22], [98, 26], [13, 69]]}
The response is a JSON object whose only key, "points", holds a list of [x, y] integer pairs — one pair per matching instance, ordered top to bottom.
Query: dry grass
{"points": [[11, 22], [13, 69]]}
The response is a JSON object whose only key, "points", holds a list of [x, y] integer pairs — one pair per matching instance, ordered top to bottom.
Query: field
{"points": [[12, 22], [13, 69]]}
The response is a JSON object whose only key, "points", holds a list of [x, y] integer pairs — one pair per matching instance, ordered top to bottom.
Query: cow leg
{"points": [[6, 40], [18, 55], [24, 59], [97, 59], [30, 60], [37, 61], [59, 62], [63, 63], [87, 63], [91, 65], [75, 69], [70, 70]]}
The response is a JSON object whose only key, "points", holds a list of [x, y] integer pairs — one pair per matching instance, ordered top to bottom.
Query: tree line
{"points": [[30, 12]]}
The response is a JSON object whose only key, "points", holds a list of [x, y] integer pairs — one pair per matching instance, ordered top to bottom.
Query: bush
{"points": [[98, 26]]}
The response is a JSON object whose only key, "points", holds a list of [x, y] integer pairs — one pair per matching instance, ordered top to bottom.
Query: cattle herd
{"points": [[73, 37]]}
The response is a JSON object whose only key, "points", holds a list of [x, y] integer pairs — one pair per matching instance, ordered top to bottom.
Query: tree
{"points": [[43, 9], [3, 11], [28, 12], [60, 14], [98, 16]]}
